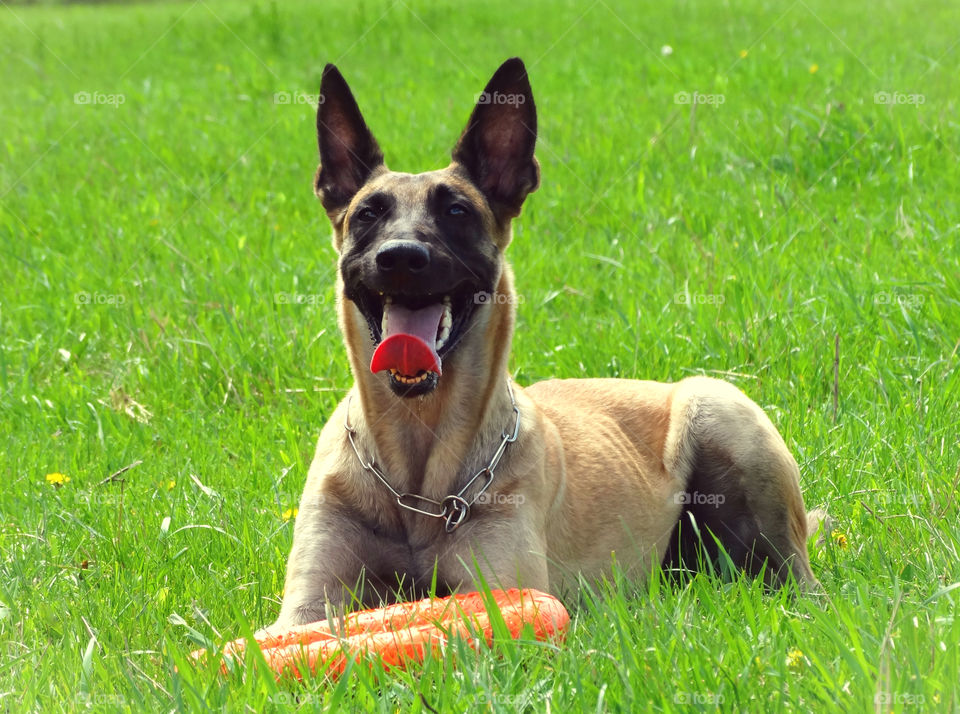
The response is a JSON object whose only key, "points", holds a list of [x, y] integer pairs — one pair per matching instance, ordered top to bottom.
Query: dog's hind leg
{"points": [[741, 486]]}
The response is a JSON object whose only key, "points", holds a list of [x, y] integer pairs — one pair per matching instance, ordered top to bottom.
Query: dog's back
{"points": [[638, 456]]}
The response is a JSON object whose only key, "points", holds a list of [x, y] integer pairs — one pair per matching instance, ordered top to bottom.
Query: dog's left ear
{"points": [[496, 148], [349, 154]]}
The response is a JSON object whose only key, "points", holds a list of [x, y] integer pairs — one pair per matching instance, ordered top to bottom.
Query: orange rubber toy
{"points": [[403, 633]]}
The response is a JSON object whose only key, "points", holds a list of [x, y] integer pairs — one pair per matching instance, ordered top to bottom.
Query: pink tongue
{"points": [[409, 340]]}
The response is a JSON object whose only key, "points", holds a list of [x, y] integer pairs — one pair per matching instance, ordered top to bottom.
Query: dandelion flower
{"points": [[57, 479], [289, 514], [840, 539], [795, 658]]}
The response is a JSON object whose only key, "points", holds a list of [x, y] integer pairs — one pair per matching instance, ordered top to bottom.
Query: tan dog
{"points": [[437, 467]]}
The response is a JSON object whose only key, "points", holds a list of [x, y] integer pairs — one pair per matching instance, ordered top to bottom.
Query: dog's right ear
{"points": [[349, 154]]}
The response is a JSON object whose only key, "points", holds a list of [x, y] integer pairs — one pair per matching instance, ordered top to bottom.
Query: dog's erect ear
{"points": [[496, 148], [348, 152]]}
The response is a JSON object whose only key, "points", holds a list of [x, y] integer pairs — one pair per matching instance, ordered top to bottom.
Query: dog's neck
{"points": [[431, 444]]}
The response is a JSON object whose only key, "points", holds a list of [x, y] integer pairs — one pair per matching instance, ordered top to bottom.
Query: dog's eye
{"points": [[457, 209], [367, 214]]}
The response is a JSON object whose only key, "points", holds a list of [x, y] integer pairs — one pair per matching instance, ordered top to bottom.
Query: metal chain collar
{"points": [[455, 508]]}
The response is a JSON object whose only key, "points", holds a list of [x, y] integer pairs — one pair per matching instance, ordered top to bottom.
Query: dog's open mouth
{"points": [[412, 334]]}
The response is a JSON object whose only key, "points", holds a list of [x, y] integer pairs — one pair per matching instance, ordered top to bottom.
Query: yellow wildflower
{"points": [[743, 53], [813, 68], [57, 479], [289, 513], [840, 539], [795, 659]]}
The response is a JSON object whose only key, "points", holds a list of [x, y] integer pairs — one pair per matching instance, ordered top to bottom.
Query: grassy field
{"points": [[724, 191]]}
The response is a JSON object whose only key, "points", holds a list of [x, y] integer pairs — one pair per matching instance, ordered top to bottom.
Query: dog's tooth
{"points": [[388, 300], [383, 322], [446, 322], [443, 333], [443, 336], [407, 379]]}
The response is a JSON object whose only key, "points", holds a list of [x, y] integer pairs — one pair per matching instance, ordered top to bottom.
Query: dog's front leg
{"points": [[502, 553], [329, 566]]}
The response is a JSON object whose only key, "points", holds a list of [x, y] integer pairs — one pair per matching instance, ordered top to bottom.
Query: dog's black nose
{"points": [[403, 256]]}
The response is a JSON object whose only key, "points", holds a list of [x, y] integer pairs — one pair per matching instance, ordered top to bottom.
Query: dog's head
{"points": [[421, 254]]}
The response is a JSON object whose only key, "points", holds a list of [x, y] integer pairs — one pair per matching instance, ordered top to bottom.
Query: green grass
{"points": [[149, 251]]}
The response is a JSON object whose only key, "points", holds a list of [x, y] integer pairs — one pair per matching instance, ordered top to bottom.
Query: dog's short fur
{"points": [[601, 466]]}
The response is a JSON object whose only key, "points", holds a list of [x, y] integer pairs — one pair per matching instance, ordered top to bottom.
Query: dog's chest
{"points": [[407, 559]]}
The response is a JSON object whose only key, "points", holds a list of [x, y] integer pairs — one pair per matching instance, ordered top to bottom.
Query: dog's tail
{"points": [[819, 524]]}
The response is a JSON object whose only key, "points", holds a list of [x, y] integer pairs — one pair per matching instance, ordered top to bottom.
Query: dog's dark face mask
{"points": [[421, 254]]}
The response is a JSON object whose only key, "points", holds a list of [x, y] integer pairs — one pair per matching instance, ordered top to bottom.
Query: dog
{"points": [[437, 472]]}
